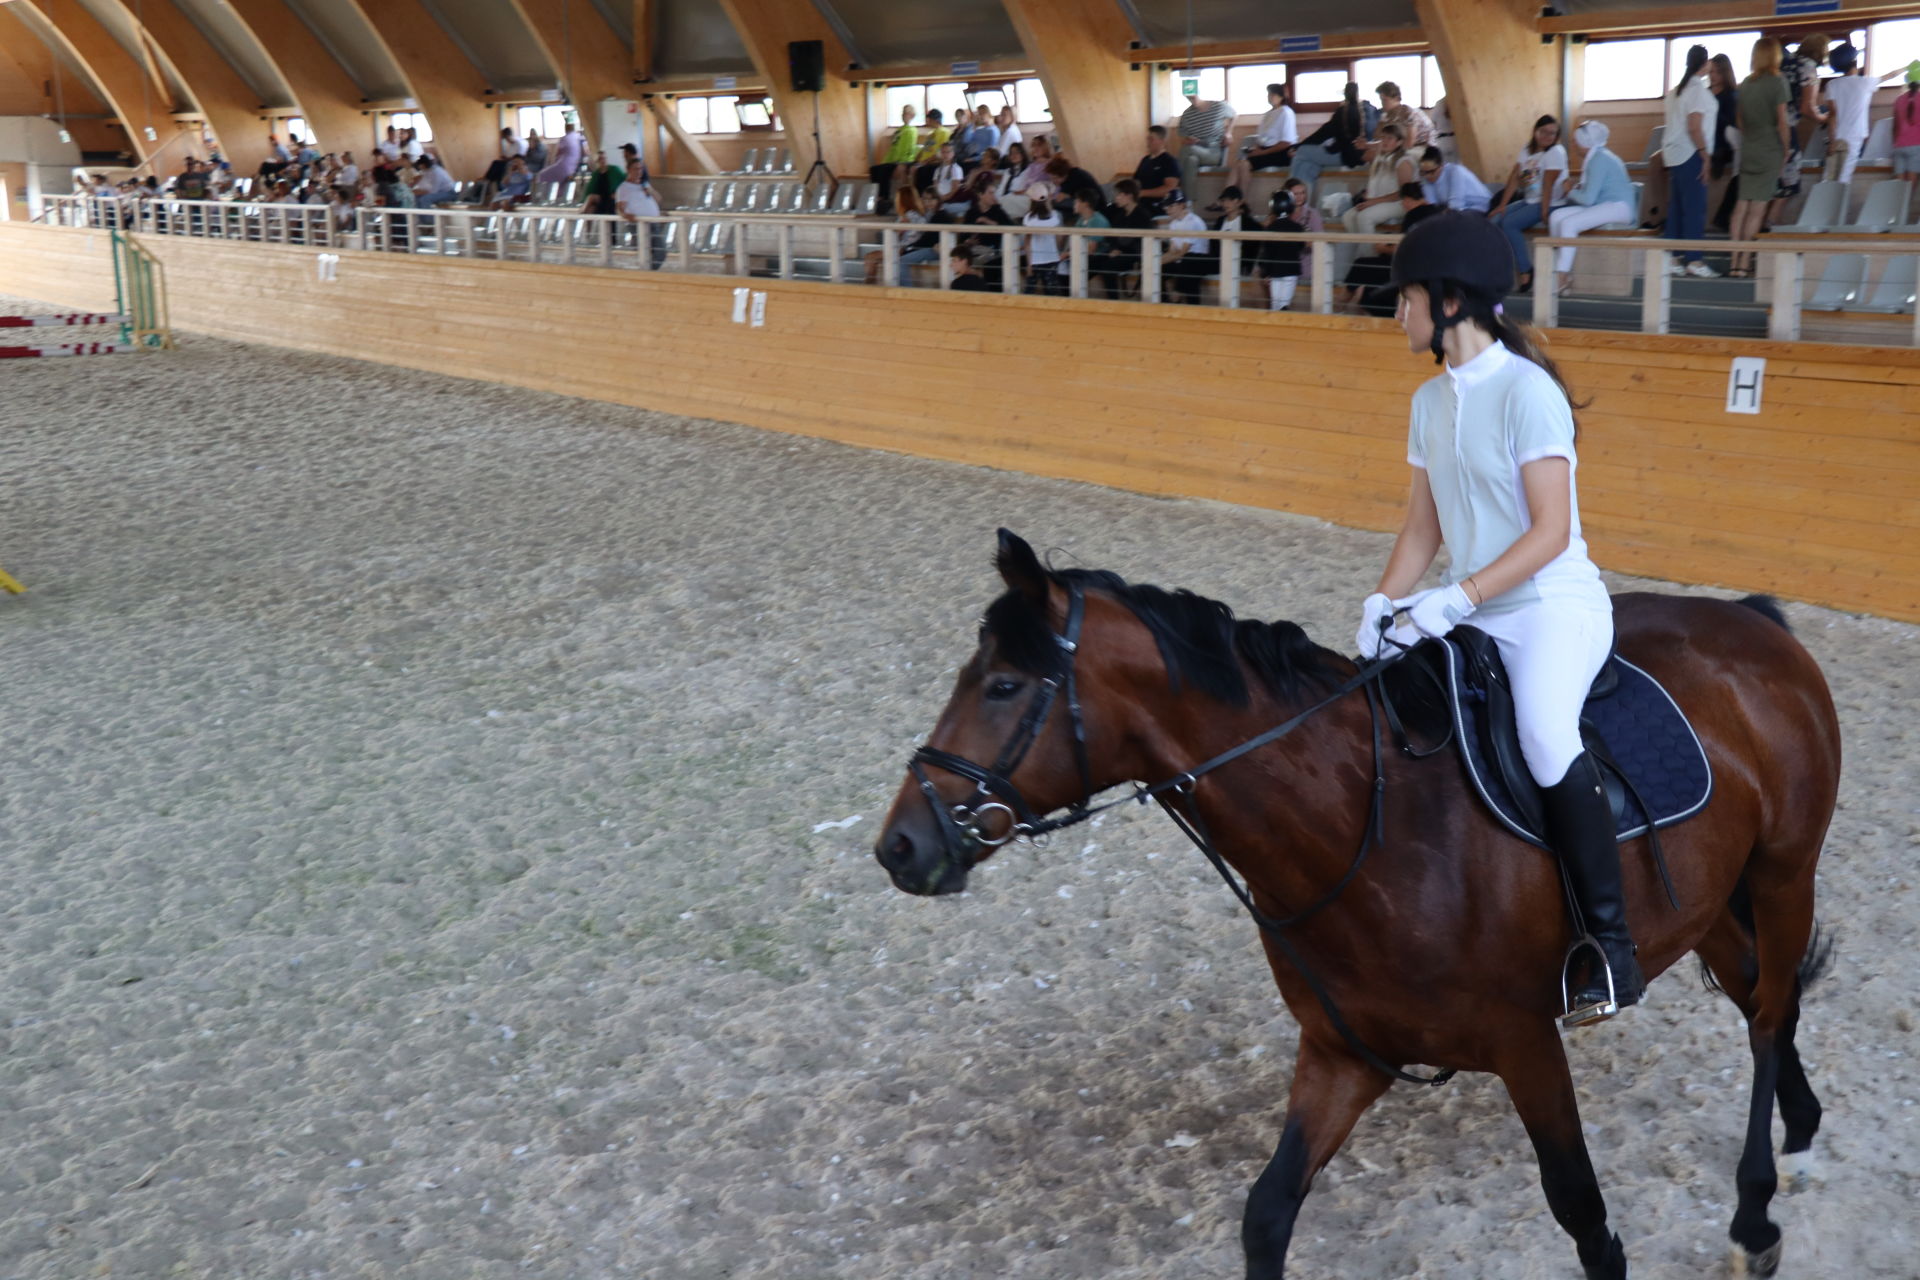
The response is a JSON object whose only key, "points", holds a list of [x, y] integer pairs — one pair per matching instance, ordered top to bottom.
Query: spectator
{"points": [[1802, 74], [1725, 87], [1850, 104], [1442, 122], [1415, 127], [1204, 129], [1906, 131], [986, 134], [961, 135], [1010, 136], [935, 137], [1765, 142], [1335, 144], [389, 146], [410, 146], [510, 146], [1271, 146], [1684, 147], [902, 150], [304, 151], [536, 153], [566, 156], [277, 158], [633, 166], [1391, 168], [349, 171], [1158, 173], [945, 175], [603, 181], [1067, 181], [191, 184], [1450, 185], [1535, 185], [435, 186], [515, 187], [1605, 195], [634, 200], [340, 211], [1087, 212], [1235, 216], [1307, 216], [915, 246], [1043, 252], [1119, 256], [1188, 259], [1278, 261], [966, 277], [1370, 281]]}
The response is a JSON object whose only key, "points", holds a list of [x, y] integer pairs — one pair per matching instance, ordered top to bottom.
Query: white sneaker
{"points": [[1672, 268], [1701, 270]]}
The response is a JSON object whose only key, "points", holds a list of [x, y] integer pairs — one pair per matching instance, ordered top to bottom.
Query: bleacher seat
{"points": [[1653, 144], [1879, 148], [1815, 153], [786, 160], [751, 163], [709, 192], [843, 199], [750, 201], [1639, 202], [1885, 208], [1825, 209], [1842, 284], [1894, 294]]}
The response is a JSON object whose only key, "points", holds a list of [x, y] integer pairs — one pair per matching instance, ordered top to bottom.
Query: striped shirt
{"points": [[1207, 122]]}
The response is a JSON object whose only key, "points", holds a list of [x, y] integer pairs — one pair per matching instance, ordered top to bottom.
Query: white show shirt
{"points": [[1276, 127], [1676, 144], [1535, 165], [634, 198], [1473, 428]]}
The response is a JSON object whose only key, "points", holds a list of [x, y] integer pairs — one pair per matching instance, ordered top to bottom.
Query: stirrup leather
{"points": [[1589, 1014]]}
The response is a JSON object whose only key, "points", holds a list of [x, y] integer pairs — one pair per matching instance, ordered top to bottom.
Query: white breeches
{"points": [[1572, 219], [1280, 291], [1553, 649]]}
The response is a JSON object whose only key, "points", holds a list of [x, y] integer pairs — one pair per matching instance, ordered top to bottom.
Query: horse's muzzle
{"points": [[917, 859]]}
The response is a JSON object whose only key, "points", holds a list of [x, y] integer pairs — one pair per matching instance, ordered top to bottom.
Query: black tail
{"points": [[1768, 608], [1819, 957]]}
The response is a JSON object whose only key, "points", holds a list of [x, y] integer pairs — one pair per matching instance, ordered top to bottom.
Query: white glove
{"points": [[1378, 606], [1434, 613]]}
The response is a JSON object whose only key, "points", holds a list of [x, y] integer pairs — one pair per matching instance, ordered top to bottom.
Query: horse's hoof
{"points": [[1799, 1170], [1764, 1263]]}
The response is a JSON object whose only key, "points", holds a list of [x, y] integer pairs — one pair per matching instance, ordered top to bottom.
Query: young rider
{"points": [[1492, 448]]}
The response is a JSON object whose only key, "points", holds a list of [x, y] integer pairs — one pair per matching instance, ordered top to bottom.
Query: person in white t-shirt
{"points": [[1851, 94], [1009, 131], [1272, 143], [1685, 145], [389, 146], [349, 171], [434, 185], [1534, 189], [634, 200], [1043, 252], [1188, 259]]}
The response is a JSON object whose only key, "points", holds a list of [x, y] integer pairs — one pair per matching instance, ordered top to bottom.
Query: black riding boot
{"points": [[1580, 830]]}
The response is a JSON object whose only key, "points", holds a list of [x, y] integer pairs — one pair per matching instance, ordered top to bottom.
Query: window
{"points": [[1737, 45], [1892, 46], [1403, 69], [1622, 69], [1213, 83], [1247, 86], [1319, 87], [1433, 88], [948, 99], [991, 99], [1030, 104], [692, 113], [725, 113], [756, 113], [415, 120], [547, 121], [294, 129]]}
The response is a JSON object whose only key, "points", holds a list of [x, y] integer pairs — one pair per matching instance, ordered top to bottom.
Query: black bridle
{"points": [[963, 827]]}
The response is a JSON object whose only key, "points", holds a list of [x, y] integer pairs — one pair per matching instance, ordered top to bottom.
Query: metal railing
{"points": [[1827, 287]]}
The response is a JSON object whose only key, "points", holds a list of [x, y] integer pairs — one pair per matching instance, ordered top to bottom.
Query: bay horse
{"points": [[1445, 946]]}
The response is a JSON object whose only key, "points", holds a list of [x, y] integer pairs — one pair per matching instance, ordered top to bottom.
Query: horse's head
{"points": [[1032, 726]]}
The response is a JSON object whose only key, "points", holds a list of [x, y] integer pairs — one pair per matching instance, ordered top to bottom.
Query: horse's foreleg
{"points": [[1541, 1087], [1331, 1090]]}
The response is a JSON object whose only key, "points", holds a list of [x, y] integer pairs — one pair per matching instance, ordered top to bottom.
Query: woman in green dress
{"points": [[1763, 146]]}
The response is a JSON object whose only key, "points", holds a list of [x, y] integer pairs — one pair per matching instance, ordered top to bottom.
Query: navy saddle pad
{"points": [[1632, 725]]}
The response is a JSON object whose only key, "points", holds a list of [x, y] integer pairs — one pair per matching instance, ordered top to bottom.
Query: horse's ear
{"points": [[1020, 569]]}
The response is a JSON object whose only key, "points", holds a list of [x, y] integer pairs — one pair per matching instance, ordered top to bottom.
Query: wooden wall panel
{"points": [[1816, 498]]}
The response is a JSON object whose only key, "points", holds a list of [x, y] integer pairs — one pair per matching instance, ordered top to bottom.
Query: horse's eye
{"points": [[1001, 690]]}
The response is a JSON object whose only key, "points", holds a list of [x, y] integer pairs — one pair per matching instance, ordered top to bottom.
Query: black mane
{"points": [[1203, 644]]}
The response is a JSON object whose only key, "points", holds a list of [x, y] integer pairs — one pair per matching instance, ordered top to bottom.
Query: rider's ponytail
{"points": [[1523, 340]]}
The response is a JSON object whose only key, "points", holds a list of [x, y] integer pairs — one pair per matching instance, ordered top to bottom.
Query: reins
{"points": [[959, 824]]}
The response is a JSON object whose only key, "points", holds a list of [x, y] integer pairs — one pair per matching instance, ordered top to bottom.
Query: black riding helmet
{"points": [[1463, 250]]}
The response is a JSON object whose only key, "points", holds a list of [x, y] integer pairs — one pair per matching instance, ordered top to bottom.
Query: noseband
{"points": [[964, 826]]}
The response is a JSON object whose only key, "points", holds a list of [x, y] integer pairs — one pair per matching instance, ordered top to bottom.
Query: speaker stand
{"points": [[819, 165]]}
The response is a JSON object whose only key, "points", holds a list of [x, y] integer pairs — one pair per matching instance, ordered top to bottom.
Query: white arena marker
{"points": [[740, 305], [759, 310], [1743, 384], [841, 825]]}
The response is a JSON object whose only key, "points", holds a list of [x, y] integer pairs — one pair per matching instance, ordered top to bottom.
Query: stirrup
{"points": [[1589, 1014]]}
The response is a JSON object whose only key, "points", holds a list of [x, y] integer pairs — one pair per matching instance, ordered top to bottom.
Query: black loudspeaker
{"points": [[807, 65]]}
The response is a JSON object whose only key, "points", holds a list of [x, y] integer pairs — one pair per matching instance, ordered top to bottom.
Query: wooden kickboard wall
{"points": [[1815, 498]]}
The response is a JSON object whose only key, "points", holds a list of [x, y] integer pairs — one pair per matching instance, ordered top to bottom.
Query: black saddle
{"points": [[1655, 770]]}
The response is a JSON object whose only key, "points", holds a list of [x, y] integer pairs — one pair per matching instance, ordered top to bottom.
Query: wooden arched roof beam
{"points": [[766, 27], [589, 58], [1499, 76], [442, 80], [122, 81], [329, 98], [1099, 102], [231, 106]]}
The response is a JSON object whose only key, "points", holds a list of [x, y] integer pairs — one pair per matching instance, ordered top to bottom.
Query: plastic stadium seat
{"points": [[1653, 144], [1879, 148], [1815, 153], [786, 160], [751, 162], [1639, 200], [1885, 208], [1825, 209], [1842, 284], [1895, 293]]}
